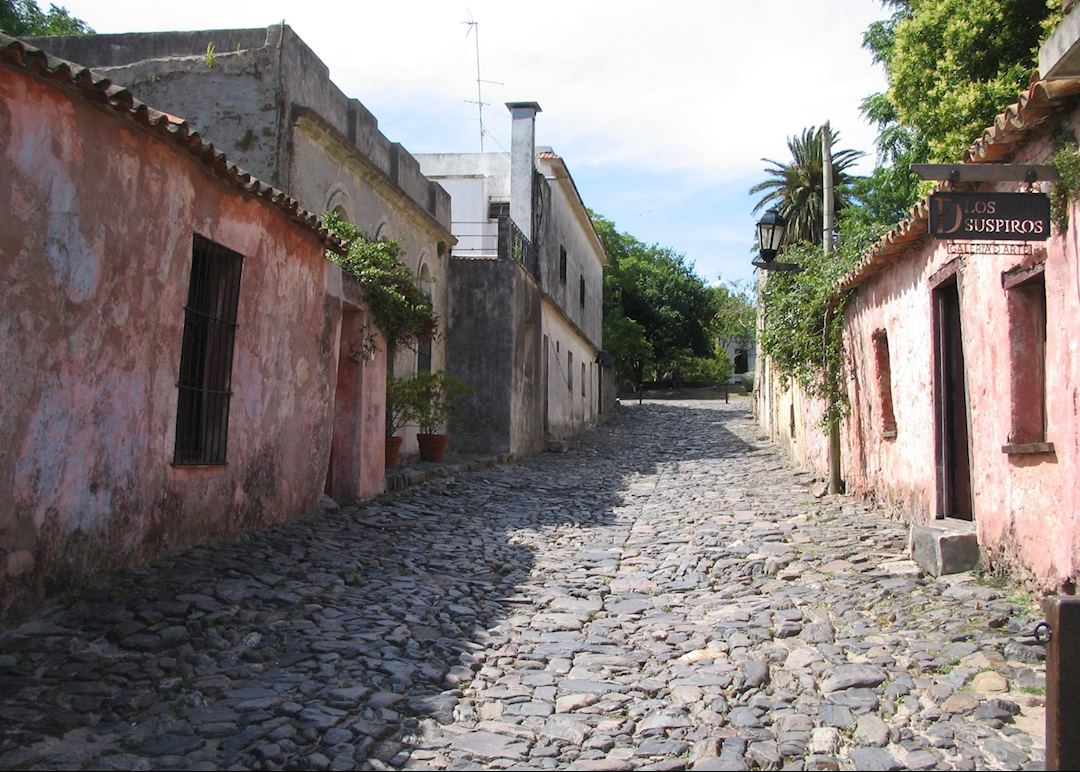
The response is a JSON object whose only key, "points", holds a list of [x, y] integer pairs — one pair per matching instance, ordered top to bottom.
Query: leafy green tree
{"points": [[23, 18], [953, 65], [796, 187], [653, 299], [735, 318], [625, 338]]}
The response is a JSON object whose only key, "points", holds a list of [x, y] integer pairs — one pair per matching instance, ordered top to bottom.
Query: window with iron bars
{"points": [[206, 354]]}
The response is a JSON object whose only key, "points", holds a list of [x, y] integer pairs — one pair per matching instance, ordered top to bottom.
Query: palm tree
{"points": [[796, 188]]}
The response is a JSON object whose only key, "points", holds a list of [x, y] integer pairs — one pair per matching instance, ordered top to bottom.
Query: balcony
{"points": [[498, 238]]}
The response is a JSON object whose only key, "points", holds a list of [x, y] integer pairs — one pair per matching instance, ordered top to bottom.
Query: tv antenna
{"points": [[474, 27]]}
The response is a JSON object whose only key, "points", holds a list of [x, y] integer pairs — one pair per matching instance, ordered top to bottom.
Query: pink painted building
{"points": [[179, 355], [963, 370]]}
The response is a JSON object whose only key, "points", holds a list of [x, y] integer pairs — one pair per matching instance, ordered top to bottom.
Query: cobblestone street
{"points": [[667, 594]]}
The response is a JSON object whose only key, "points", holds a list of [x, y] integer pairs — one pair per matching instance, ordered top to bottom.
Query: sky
{"points": [[662, 110]]}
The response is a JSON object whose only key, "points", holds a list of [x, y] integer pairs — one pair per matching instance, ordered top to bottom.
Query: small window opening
{"points": [[497, 209], [562, 264], [581, 287], [1026, 310], [206, 354], [423, 354], [570, 371], [883, 376], [583, 379]]}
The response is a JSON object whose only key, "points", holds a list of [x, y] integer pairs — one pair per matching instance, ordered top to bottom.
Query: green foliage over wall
{"points": [[1067, 162], [400, 309], [794, 309]]}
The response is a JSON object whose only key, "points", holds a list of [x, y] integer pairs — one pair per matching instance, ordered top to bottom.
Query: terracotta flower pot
{"points": [[432, 446], [393, 447]]}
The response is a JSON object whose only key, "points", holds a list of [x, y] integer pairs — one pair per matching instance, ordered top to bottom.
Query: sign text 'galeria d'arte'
{"points": [[989, 218]]}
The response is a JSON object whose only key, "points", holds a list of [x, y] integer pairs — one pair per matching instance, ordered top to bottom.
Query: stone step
{"points": [[945, 546]]}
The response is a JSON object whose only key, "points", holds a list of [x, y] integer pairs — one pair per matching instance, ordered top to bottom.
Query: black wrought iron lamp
{"points": [[771, 228]]}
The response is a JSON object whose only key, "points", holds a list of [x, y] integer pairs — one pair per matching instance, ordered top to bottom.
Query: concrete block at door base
{"points": [[947, 547]]}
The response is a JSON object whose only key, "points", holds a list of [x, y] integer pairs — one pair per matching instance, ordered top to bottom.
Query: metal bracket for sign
{"points": [[987, 172]]}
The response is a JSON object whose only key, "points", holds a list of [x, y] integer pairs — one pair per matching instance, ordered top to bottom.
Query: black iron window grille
{"points": [[206, 354], [423, 354]]}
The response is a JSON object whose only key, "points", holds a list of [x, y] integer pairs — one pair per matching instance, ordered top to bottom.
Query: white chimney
{"points": [[522, 163]]}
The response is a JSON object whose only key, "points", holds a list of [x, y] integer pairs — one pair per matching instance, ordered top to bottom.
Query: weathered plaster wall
{"points": [[237, 104], [269, 104], [323, 168], [570, 228], [96, 257], [569, 410], [791, 419]]}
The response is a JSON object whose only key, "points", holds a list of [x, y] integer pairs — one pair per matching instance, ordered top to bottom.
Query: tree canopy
{"points": [[23, 18], [953, 64], [660, 318]]}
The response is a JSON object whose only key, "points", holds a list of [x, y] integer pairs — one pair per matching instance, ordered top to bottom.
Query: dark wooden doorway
{"points": [[950, 402]]}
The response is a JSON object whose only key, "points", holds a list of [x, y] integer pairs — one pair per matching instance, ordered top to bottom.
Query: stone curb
{"points": [[422, 471]]}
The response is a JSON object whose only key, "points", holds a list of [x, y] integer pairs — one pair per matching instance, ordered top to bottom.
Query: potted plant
{"points": [[435, 403], [399, 404]]}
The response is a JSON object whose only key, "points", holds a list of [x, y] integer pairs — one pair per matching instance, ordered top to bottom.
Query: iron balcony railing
{"points": [[499, 237], [514, 246]]}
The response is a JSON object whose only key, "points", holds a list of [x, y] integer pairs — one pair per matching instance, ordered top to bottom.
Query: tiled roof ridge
{"points": [[97, 88], [994, 145]]}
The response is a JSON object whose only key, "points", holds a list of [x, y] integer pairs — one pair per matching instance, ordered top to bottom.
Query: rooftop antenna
{"points": [[474, 26]]}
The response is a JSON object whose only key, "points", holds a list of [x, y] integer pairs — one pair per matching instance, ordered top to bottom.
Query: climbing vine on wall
{"points": [[1067, 162], [399, 308], [794, 310]]}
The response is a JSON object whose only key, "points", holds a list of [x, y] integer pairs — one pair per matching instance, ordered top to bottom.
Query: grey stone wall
{"points": [[246, 100], [480, 350], [527, 417]]}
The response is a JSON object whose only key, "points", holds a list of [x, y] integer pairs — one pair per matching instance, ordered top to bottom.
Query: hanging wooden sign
{"points": [[990, 216]]}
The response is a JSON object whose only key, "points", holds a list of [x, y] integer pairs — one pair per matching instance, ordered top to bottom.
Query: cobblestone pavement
{"points": [[667, 594]]}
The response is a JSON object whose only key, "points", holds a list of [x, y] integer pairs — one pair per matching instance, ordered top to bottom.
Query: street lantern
{"points": [[770, 230]]}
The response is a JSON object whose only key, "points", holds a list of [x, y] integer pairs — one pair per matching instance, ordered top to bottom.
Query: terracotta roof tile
{"points": [[169, 128], [996, 144]]}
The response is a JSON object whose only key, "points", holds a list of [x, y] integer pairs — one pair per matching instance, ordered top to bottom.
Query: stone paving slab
{"points": [[668, 594]]}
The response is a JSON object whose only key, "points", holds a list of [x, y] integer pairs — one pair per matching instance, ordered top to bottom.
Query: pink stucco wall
{"points": [[95, 256], [1025, 505]]}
